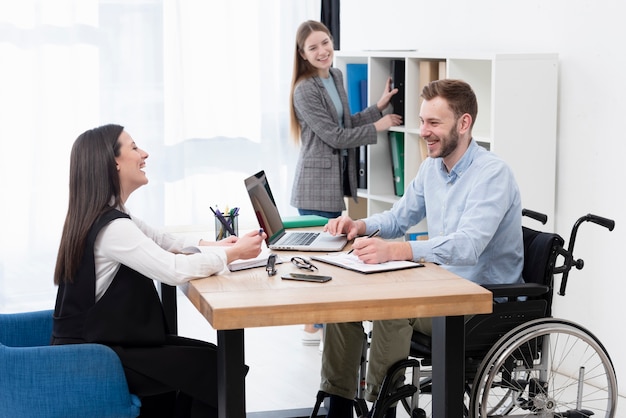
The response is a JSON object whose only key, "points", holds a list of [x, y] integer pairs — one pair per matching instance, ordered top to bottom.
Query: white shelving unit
{"points": [[517, 117]]}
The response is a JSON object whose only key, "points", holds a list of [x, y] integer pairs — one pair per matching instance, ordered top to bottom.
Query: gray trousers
{"points": [[343, 342]]}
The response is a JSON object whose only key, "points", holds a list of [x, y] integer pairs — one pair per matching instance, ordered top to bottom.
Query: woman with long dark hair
{"points": [[106, 267]]}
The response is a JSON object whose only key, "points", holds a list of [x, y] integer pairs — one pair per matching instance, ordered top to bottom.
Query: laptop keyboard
{"points": [[300, 238]]}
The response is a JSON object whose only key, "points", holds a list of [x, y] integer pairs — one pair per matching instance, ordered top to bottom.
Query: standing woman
{"points": [[322, 125], [327, 133], [105, 268]]}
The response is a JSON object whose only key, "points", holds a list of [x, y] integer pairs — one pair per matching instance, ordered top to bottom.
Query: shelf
{"points": [[513, 91]]}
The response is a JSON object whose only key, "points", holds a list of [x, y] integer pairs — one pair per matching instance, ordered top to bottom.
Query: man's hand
{"points": [[345, 225], [377, 250]]}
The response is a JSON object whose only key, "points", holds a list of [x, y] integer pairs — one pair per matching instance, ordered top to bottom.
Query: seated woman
{"points": [[105, 268]]}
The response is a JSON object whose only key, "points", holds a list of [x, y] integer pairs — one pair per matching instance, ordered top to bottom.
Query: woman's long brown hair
{"points": [[302, 69], [94, 189]]}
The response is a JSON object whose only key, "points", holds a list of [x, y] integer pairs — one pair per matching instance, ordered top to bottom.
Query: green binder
{"points": [[396, 146], [304, 221]]}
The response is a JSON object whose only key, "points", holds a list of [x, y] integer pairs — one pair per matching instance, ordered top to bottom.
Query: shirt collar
{"points": [[462, 165]]}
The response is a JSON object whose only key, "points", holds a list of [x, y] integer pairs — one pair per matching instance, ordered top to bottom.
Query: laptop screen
{"points": [[264, 206]]}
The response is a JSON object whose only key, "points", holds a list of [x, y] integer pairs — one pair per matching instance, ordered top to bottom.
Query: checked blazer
{"points": [[318, 182]]}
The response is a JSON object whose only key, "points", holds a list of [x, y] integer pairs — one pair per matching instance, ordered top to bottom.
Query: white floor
{"points": [[284, 374]]}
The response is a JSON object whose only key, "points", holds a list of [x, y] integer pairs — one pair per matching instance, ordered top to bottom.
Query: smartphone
{"points": [[306, 277]]}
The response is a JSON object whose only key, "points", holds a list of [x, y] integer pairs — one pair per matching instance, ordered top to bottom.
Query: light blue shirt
{"points": [[329, 83], [474, 217]]}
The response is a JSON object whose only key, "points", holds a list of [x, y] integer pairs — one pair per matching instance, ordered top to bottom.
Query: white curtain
{"points": [[201, 85]]}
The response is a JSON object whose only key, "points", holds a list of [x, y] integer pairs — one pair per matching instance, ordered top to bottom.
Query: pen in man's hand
{"points": [[261, 231], [372, 235]]}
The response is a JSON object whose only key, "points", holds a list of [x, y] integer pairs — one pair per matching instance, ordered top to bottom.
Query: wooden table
{"points": [[250, 298]]}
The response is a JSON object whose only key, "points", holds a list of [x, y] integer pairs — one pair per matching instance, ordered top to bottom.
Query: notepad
{"points": [[259, 261], [352, 262]]}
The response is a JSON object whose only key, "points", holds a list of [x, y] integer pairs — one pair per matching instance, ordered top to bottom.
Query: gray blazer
{"points": [[318, 182]]}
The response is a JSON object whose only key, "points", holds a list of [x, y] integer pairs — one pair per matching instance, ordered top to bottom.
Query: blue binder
{"points": [[356, 83]]}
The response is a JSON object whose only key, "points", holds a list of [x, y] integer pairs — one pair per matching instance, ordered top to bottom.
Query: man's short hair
{"points": [[459, 95]]}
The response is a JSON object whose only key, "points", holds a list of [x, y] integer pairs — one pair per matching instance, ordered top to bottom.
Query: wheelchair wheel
{"points": [[549, 368]]}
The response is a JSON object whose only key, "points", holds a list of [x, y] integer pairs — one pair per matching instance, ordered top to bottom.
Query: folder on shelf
{"points": [[429, 70], [356, 79], [397, 81], [356, 82], [363, 86], [396, 146], [362, 167]]}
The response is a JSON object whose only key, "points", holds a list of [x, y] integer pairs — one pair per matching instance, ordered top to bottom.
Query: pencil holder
{"points": [[225, 226]]}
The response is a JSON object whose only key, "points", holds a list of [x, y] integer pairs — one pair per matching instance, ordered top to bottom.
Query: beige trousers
{"points": [[343, 343]]}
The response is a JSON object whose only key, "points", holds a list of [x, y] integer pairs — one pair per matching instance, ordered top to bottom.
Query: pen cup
{"points": [[225, 226]]}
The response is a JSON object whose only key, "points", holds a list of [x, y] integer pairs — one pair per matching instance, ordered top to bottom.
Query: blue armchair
{"points": [[40, 380]]}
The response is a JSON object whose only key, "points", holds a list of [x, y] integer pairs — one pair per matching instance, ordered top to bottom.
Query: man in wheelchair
{"points": [[474, 214]]}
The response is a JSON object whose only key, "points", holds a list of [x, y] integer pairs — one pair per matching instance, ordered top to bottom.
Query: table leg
{"points": [[448, 366], [231, 374]]}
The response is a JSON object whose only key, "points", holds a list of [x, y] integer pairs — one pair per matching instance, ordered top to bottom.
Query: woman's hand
{"points": [[383, 102], [387, 122], [230, 240], [246, 246]]}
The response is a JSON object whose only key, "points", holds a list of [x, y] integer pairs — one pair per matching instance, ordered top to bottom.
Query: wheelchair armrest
{"points": [[517, 290]]}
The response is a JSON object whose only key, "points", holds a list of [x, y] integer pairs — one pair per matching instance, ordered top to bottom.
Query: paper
{"points": [[352, 262]]}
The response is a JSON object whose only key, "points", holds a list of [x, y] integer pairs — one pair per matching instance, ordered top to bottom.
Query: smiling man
{"points": [[474, 211]]}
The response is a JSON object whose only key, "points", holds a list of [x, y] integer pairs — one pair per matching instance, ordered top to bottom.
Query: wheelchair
{"points": [[519, 360]]}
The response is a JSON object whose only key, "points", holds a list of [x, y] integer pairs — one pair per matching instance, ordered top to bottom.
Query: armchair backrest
{"points": [[28, 329], [69, 381]]}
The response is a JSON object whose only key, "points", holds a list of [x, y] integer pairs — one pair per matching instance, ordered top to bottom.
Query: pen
{"points": [[223, 221], [261, 231], [372, 235]]}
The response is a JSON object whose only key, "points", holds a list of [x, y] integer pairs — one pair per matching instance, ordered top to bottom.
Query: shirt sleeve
{"points": [[461, 224], [145, 250]]}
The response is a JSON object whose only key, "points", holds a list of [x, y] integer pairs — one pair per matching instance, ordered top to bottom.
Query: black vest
{"points": [[129, 313]]}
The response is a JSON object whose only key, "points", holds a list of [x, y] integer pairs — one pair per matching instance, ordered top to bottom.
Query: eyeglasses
{"points": [[302, 263], [271, 265]]}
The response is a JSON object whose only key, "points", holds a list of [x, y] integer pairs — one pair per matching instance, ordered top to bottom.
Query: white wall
{"points": [[588, 35]]}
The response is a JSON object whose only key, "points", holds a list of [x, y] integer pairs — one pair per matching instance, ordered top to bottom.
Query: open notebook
{"points": [[269, 219], [352, 262]]}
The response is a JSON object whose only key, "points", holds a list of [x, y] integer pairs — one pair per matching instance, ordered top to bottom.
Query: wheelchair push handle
{"points": [[541, 217], [605, 222], [569, 253]]}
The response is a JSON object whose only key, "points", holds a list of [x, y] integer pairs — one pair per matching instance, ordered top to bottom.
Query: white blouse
{"points": [[152, 253]]}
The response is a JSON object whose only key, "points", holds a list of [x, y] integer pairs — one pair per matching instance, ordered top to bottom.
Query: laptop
{"points": [[269, 219]]}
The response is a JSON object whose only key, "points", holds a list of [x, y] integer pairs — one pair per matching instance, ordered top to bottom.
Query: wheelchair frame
{"points": [[511, 371]]}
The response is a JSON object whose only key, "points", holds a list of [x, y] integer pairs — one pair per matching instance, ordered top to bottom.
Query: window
{"points": [[202, 86]]}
